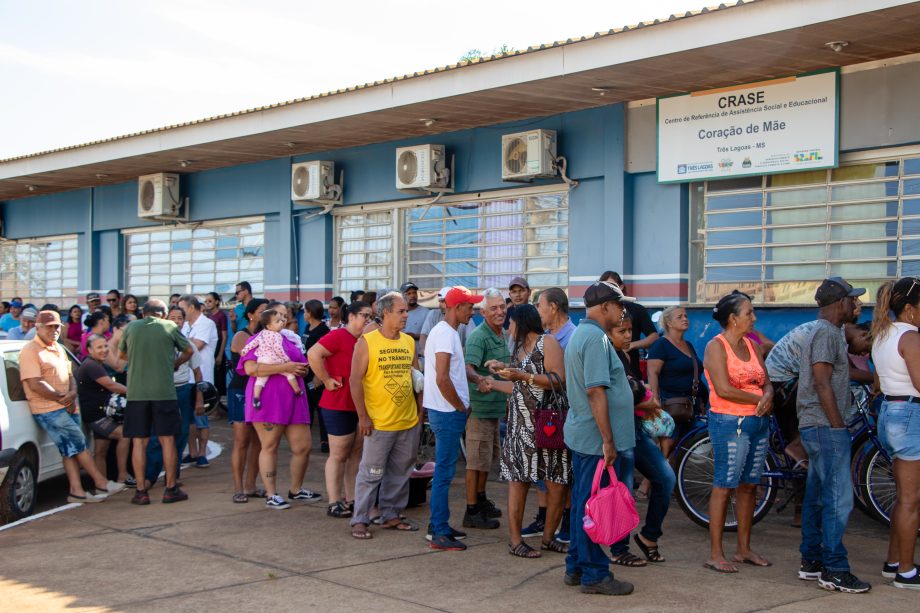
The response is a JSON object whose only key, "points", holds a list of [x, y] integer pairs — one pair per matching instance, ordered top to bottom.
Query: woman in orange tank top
{"points": [[740, 398]]}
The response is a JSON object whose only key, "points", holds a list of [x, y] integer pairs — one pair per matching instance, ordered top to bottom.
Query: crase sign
{"points": [[727, 102]]}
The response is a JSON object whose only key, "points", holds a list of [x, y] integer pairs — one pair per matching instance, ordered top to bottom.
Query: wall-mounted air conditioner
{"points": [[158, 196]]}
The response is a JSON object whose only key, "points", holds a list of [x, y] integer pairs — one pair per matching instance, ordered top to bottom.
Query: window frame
{"points": [[73, 255]]}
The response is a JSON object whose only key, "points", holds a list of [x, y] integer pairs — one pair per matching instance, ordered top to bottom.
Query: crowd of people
{"points": [[547, 399]]}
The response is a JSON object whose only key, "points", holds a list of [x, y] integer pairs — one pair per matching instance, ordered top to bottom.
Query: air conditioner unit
{"points": [[528, 155], [422, 167], [314, 182], [158, 196]]}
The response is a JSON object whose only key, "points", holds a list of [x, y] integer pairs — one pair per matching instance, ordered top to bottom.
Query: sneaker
{"points": [[188, 460], [202, 462], [130, 482], [111, 488], [174, 494], [304, 495], [86, 497], [140, 497], [277, 502], [488, 507], [479, 520], [534, 529], [457, 534], [563, 535], [446, 543], [810, 570], [889, 571], [573, 579], [843, 581], [903, 582], [609, 587]]}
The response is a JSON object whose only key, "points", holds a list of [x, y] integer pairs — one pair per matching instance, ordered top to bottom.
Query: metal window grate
{"points": [[776, 236], [364, 251], [207, 258], [40, 270]]}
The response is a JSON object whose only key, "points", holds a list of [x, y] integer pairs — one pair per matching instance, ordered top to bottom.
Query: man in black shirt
{"points": [[641, 326]]}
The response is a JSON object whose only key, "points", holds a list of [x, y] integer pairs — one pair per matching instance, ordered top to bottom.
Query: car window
{"points": [[14, 388]]}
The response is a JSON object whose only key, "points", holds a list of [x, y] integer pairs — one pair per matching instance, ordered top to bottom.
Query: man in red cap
{"points": [[52, 394], [447, 399]]}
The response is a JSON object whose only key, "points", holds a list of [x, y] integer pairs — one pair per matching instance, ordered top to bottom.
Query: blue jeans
{"points": [[447, 428], [155, 452], [647, 457], [828, 496], [584, 555]]}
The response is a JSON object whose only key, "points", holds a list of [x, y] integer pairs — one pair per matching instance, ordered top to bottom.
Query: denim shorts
{"points": [[236, 406], [201, 422], [64, 429], [899, 429], [737, 457]]}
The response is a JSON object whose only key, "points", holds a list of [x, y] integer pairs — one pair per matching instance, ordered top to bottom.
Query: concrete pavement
{"points": [[211, 554]]}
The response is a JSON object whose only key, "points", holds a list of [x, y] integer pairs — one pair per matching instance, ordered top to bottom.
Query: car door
{"points": [[22, 427]]}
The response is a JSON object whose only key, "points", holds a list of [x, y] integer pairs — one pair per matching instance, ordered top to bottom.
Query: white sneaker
{"points": [[112, 487], [87, 498]]}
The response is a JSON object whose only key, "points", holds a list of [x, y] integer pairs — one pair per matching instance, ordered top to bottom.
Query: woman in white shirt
{"points": [[896, 353]]}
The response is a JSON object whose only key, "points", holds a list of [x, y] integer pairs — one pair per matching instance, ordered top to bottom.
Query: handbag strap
{"points": [[695, 389], [598, 472]]}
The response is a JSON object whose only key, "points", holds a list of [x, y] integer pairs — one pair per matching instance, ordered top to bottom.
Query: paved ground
{"points": [[209, 554]]}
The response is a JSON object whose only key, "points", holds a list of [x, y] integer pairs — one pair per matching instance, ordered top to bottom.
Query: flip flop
{"points": [[257, 493], [401, 526], [362, 534], [752, 562], [721, 567]]}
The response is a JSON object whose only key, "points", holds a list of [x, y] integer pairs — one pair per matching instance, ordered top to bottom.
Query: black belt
{"points": [[913, 399]]}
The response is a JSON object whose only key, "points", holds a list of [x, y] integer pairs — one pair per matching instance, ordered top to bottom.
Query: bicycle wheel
{"points": [[425, 445], [859, 449], [695, 469], [876, 479]]}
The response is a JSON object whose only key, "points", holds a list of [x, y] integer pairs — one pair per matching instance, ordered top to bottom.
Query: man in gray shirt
{"points": [[824, 407]]}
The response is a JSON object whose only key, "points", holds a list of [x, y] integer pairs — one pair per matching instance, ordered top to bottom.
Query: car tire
{"points": [[19, 491]]}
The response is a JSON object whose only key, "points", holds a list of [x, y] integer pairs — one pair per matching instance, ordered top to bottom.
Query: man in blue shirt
{"points": [[11, 320], [26, 328], [599, 424]]}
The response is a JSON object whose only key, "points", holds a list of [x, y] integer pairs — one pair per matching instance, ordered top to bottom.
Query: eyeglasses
{"points": [[111, 299], [365, 315]]}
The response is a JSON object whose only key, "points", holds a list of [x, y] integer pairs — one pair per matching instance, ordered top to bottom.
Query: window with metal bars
{"points": [[776, 236], [40, 270]]}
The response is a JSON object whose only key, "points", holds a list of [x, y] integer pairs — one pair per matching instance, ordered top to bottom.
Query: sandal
{"points": [[257, 493], [240, 497], [338, 509], [401, 526], [361, 533], [555, 545], [523, 550], [649, 551], [630, 560], [724, 567]]}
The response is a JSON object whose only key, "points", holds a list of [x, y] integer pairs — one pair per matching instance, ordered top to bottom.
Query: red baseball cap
{"points": [[459, 295]]}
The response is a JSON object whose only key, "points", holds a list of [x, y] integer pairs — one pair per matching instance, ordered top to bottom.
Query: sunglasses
{"points": [[111, 299]]}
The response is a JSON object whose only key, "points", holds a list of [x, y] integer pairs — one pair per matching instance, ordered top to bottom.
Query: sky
{"points": [[74, 72]]}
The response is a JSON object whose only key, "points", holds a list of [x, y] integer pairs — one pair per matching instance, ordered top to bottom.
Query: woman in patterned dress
{"points": [[534, 354]]}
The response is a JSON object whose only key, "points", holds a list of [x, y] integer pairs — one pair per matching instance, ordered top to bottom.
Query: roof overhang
{"points": [[748, 42]]}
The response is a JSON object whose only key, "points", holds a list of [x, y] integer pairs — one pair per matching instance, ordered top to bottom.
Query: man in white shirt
{"points": [[202, 332], [447, 399]]}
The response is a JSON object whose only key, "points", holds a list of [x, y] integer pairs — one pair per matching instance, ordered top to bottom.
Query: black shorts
{"points": [[157, 417], [340, 423], [103, 427]]}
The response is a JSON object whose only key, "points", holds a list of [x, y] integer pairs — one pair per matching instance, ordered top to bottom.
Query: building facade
{"points": [[71, 224]]}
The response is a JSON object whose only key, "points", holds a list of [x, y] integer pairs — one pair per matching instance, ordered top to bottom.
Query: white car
{"points": [[28, 456]]}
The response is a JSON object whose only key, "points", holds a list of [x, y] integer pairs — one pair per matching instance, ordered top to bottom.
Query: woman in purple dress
{"points": [[281, 413]]}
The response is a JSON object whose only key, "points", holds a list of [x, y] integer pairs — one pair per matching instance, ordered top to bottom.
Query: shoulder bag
{"points": [[681, 408], [549, 416], [610, 513]]}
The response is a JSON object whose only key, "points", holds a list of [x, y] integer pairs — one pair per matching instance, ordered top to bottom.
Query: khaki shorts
{"points": [[481, 443]]}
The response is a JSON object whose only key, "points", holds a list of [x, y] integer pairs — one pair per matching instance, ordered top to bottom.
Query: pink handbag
{"points": [[610, 513]]}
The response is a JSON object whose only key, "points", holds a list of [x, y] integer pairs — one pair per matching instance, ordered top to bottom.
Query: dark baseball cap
{"points": [[519, 281], [405, 287], [834, 289], [604, 291], [90, 297], [16, 304]]}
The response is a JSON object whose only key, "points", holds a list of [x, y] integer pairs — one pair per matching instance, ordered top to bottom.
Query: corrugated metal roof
{"points": [[414, 75]]}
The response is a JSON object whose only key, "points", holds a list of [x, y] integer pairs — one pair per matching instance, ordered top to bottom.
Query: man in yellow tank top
{"points": [[388, 417]]}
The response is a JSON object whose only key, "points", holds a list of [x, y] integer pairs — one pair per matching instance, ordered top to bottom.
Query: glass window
{"points": [[780, 234], [485, 243], [364, 245], [183, 260], [40, 270]]}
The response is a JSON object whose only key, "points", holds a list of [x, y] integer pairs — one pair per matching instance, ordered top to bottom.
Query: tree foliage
{"points": [[477, 54]]}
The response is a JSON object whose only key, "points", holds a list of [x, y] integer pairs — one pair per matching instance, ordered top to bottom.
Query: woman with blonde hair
{"points": [[896, 353]]}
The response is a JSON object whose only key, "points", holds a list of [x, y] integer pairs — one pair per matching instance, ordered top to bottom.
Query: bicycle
{"points": [[873, 482]]}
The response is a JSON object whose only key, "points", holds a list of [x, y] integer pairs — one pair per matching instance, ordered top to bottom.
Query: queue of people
{"points": [[381, 365]]}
